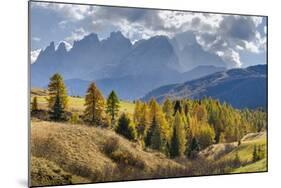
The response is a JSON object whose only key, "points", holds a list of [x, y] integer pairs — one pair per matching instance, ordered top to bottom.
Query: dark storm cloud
{"points": [[195, 22], [240, 27]]}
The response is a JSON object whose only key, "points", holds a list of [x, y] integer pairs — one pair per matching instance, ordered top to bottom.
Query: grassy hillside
{"points": [[76, 104], [245, 150], [73, 152], [227, 152], [77, 154], [258, 166], [45, 172]]}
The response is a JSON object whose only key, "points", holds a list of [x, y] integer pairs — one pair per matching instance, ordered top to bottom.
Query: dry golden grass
{"points": [[75, 104], [229, 150], [215, 151], [86, 152], [64, 153], [225, 153], [46, 172]]}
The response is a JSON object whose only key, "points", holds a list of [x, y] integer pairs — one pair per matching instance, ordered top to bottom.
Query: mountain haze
{"points": [[130, 69], [134, 86], [239, 87]]}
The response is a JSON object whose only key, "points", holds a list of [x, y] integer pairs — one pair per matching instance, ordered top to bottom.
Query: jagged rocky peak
{"points": [[117, 35], [93, 37], [159, 40], [87, 42], [51, 47], [61, 48]]}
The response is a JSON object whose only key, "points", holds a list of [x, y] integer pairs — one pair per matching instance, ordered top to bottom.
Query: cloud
{"points": [[71, 11], [239, 27], [77, 34], [224, 35], [232, 35], [36, 39], [68, 46], [250, 46], [34, 54]]}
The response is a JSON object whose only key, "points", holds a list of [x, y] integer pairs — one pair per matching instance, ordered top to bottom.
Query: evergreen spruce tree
{"points": [[56, 88], [95, 104], [112, 106], [177, 107], [57, 113], [125, 127], [149, 134], [156, 140], [178, 140], [174, 148], [193, 148]]}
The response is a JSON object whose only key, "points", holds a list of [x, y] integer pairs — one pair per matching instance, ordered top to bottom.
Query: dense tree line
{"points": [[176, 128]]}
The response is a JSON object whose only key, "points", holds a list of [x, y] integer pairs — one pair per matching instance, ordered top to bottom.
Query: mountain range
{"points": [[130, 69], [239, 87]]}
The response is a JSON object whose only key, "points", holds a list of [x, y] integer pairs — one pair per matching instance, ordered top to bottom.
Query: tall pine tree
{"points": [[56, 88], [95, 104], [112, 106], [177, 107], [57, 113], [156, 140], [178, 141], [193, 148]]}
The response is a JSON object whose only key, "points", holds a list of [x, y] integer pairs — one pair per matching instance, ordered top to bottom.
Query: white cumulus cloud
{"points": [[34, 54]]}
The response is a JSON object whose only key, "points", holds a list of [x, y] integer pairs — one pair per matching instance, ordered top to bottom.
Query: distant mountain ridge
{"points": [[87, 56], [130, 69], [133, 87], [239, 87]]}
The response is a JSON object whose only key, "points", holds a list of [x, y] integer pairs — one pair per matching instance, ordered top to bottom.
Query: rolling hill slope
{"points": [[239, 87], [228, 151], [77, 154]]}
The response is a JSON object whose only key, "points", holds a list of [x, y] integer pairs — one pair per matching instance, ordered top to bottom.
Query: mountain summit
{"points": [[116, 63]]}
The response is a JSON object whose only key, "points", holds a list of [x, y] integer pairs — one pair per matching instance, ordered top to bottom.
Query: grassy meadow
{"points": [[76, 104], [66, 153]]}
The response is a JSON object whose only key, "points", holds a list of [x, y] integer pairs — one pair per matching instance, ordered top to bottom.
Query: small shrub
{"points": [[41, 115], [74, 118], [126, 127], [111, 145], [125, 157]]}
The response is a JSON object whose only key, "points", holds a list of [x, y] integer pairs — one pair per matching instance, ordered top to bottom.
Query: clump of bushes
{"points": [[122, 156], [125, 157]]}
